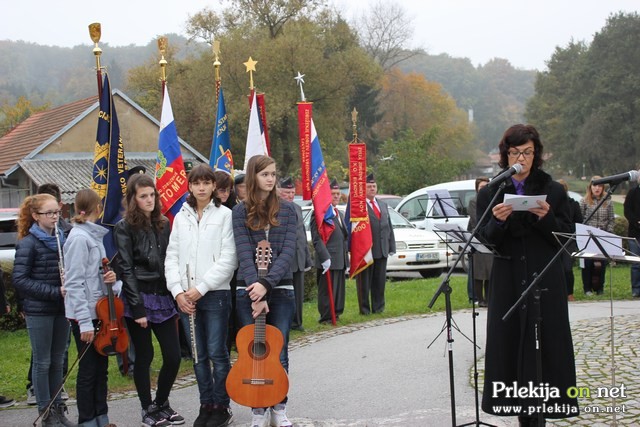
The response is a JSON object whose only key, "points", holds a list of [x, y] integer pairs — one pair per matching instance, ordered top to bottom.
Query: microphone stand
{"points": [[446, 288], [536, 299]]}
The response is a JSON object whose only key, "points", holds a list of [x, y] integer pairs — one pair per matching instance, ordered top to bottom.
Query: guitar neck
{"points": [[259, 333]]}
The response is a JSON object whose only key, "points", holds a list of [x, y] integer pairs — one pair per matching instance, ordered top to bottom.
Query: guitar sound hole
{"points": [[258, 350]]}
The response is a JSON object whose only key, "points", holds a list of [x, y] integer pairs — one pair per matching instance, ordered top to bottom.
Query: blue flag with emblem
{"points": [[220, 158], [109, 177]]}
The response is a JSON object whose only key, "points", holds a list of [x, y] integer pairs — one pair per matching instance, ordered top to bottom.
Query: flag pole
{"points": [[95, 32], [162, 47], [216, 66]]}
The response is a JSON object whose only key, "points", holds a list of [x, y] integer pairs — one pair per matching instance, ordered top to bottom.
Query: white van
{"points": [[424, 212]]}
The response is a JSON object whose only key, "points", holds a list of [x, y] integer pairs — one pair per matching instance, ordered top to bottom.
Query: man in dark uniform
{"points": [[240, 187], [331, 257], [301, 262], [372, 280]]}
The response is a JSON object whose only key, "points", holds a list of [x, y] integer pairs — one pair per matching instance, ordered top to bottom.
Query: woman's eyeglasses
{"points": [[514, 154], [50, 214]]}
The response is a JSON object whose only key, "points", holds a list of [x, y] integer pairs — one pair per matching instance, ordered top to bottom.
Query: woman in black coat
{"points": [[525, 244]]}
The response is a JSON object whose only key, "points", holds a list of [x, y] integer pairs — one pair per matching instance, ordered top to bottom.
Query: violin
{"points": [[112, 337]]}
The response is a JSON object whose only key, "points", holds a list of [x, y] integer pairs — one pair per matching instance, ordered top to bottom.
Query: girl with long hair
{"points": [[262, 216], [142, 237], [201, 258], [593, 273], [36, 275], [86, 283]]}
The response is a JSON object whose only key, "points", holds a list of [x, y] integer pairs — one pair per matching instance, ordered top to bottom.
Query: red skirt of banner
{"points": [[361, 241]]}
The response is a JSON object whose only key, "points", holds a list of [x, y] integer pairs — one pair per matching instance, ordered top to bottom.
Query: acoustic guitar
{"points": [[257, 379]]}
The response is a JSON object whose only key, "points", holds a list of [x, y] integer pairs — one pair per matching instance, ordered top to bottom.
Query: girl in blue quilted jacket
{"points": [[36, 276]]}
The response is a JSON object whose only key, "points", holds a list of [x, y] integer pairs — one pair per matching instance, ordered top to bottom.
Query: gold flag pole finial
{"points": [[95, 32], [162, 47], [216, 61], [216, 66], [251, 67], [354, 119]]}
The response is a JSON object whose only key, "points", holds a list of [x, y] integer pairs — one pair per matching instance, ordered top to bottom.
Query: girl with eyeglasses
{"points": [[593, 272], [36, 276]]}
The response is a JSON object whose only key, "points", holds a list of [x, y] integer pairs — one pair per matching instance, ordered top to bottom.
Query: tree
{"points": [[385, 30], [588, 100], [408, 101], [12, 115], [415, 162]]}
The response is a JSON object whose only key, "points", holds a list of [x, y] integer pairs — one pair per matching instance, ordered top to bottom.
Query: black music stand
{"points": [[444, 206], [457, 236], [599, 245], [445, 288]]}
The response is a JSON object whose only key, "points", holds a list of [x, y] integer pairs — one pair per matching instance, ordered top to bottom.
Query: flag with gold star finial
{"points": [[109, 177]]}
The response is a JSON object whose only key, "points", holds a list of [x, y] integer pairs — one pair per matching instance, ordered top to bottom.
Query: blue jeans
{"points": [[634, 247], [282, 306], [212, 324], [49, 336]]}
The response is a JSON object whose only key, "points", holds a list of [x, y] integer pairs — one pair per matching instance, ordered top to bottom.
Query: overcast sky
{"points": [[524, 32]]}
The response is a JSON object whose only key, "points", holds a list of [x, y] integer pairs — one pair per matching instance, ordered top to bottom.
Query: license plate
{"points": [[428, 256]]}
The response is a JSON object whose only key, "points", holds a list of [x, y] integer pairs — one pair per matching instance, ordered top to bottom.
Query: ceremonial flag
{"points": [[262, 114], [304, 130], [256, 143], [220, 157], [109, 177], [171, 177], [320, 189], [357, 218]]}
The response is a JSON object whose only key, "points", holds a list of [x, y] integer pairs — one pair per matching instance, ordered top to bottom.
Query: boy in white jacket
{"points": [[202, 238]]}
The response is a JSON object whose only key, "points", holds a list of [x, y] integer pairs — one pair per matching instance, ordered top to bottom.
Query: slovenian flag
{"points": [[220, 158], [109, 177], [171, 177], [320, 189]]}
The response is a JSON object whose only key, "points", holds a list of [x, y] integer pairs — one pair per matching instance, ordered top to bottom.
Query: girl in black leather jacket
{"points": [[142, 238]]}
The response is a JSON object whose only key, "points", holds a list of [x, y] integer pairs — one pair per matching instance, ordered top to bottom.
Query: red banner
{"points": [[305, 110], [360, 241]]}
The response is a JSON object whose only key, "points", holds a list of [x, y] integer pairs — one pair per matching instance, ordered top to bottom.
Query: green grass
{"points": [[403, 297]]}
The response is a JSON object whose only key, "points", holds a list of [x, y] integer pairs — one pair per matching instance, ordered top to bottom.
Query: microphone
{"points": [[513, 170], [617, 179]]}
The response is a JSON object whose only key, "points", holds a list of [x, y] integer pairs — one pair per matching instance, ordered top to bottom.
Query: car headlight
{"points": [[401, 246]]}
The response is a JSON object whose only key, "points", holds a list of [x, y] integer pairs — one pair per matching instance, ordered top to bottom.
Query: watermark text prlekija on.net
{"points": [[544, 392]]}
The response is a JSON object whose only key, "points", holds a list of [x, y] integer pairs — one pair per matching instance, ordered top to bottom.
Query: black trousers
{"points": [[370, 284], [298, 289], [338, 289], [167, 335], [91, 383]]}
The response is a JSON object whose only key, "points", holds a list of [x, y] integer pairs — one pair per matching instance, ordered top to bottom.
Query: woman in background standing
{"points": [[593, 273]]}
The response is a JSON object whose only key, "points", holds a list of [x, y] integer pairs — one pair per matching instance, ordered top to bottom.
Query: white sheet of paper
{"points": [[445, 201], [523, 203], [610, 242]]}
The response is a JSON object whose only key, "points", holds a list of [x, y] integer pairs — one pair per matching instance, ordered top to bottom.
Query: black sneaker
{"points": [[206, 409], [170, 415], [152, 417], [220, 417]]}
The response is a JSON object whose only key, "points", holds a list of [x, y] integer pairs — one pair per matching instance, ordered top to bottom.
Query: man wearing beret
{"points": [[240, 187], [331, 257], [301, 262], [371, 281]]}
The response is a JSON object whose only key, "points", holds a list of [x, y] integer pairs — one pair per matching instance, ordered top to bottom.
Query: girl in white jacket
{"points": [[202, 238]]}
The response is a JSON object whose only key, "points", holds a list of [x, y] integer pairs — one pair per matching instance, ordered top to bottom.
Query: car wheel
{"points": [[433, 272]]}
